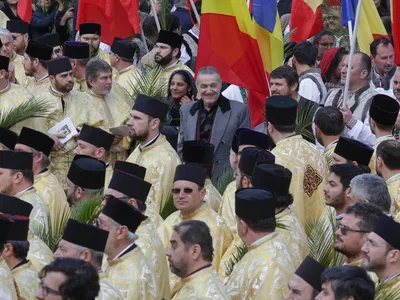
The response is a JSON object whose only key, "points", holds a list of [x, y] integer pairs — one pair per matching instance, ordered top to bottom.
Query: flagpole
{"points": [[154, 10], [196, 13], [350, 27], [143, 39], [352, 50]]}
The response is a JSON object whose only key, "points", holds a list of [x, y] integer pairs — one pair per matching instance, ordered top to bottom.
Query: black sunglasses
{"points": [[185, 190], [345, 230]]}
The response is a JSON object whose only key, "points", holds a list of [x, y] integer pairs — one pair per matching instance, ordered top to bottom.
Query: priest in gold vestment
{"points": [[91, 33], [382, 118], [154, 152], [303, 159], [387, 166], [45, 183], [127, 184], [87, 242], [15, 255], [190, 256], [128, 268], [265, 270]]}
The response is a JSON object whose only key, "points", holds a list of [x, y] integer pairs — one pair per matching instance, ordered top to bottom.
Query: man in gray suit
{"points": [[212, 119]]}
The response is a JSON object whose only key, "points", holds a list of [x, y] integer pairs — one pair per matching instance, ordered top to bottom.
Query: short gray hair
{"points": [[180, 3], [6, 33], [94, 67], [208, 70], [371, 188], [131, 237], [97, 256]]}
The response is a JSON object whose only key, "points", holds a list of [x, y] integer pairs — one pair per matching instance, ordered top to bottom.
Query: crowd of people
{"points": [[111, 189]]}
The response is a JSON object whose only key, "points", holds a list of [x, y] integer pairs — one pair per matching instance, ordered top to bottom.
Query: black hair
{"points": [[320, 34], [373, 47], [305, 53], [334, 64], [287, 73], [329, 120], [389, 151], [346, 172], [367, 213], [262, 225], [20, 249]]}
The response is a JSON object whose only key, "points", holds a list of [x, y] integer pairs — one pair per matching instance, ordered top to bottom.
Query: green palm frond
{"points": [[163, 14], [148, 83], [35, 108], [305, 115], [224, 180], [169, 207], [88, 211], [321, 238], [241, 250], [384, 293]]}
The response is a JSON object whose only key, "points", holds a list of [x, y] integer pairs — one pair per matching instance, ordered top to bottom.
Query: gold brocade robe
{"points": [[3, 20], [103, 55], [18, 62], [166, 72], [125, 78], [80, 85], [38, 87], [14, 95], [80, 109], [328, 152], [160, 161], [372, 162], [309, 170], [109, 173], [393, 184], [50, 190], [212, 198], [227, 209], [154, 217], [38, 219], [221, 234], [152, 247], [39, 253], [358, 263], [263, 273], [133, 277], [27, 280], [204, 284], [388, 287], [7, 288], [108, 291]]}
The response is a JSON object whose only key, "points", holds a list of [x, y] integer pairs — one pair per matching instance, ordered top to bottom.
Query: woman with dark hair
{"points": [[331, 66]]}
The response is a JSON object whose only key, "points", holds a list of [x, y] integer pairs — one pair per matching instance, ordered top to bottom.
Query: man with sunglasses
{"points": [[19, 31], [85, 179], [188, 193], [358, 221]]}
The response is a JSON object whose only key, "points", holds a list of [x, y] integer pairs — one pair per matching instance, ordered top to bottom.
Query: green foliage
{"points": [[165, 9], [148, 83], [35, 108], [305, 116], [224, 180], [169, 207], [88, 211], [321, 238], [241, 250]]}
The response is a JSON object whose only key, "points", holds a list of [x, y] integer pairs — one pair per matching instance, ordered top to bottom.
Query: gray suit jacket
{"points": [[229, 116]]}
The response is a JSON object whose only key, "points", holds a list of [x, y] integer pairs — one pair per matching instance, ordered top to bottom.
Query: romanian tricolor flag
{"points": [[395, 16], [306, 19], [370, 25], [228, 42]]}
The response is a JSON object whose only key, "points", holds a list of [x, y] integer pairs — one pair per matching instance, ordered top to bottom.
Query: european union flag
{"points": [[264, 13]]}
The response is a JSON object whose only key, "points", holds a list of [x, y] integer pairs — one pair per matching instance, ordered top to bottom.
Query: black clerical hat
{"points": [[17, 26], [89, 28], [170, 38], [50, 39], [123, 48], [39, 50], [76, 50], [4, 62], [59, 65], [151, 106], [281, 110], [384, 110], [247, 136], [96, 137], [8, 138], [36, 140], [234, 145], [353, 150], [198, 152], [251, 156], [16, 160], [130, 168], [87, 172], [190, 172], [272, 177], [130, 185], [254, 204], [14, 206], [123, 213], [5, 227], [19, 228], [388, 229], [85, 235], [310, 271]]}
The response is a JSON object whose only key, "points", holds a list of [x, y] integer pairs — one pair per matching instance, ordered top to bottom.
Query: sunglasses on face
{"points": [[185, 190], [345, 230]]}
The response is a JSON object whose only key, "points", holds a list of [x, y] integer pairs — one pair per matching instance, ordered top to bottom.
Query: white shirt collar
{"points": [[43, 78], [57, 92], [149, 142], [23, 191], [122, 252]]}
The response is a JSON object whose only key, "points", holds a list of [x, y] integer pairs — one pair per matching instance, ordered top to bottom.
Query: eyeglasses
{"points": [[14, 37], [327, 45], [185, 190], [107, 197], [344, 230], [46, 290]]}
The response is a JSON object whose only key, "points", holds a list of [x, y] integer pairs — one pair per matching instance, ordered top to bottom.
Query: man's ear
{"points": [[8, 250]]}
